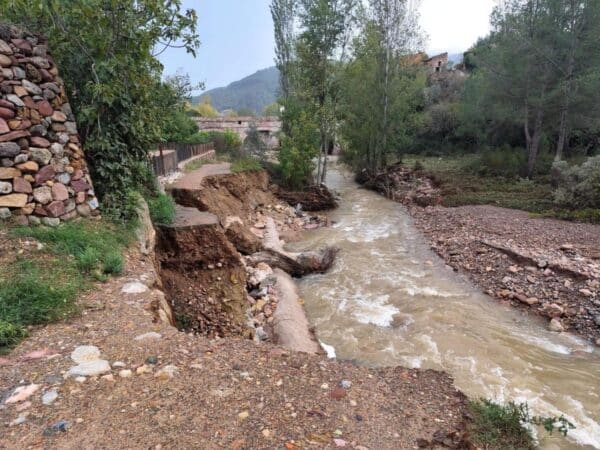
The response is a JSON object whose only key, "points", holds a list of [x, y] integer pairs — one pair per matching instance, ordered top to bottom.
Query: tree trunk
{"points": [[534, 145]]}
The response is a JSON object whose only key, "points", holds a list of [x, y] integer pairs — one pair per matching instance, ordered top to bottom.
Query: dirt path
{"points": [[193, 180], [547, 266]]}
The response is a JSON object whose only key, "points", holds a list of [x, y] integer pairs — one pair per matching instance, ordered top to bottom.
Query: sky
{"points": [[237, 36]]}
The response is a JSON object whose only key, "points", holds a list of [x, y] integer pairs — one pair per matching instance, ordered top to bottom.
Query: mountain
{"points": [[253, 92]]}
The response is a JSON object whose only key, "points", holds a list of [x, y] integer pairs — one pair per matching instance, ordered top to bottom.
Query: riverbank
{"points": [[545, 266], [142, 383]]}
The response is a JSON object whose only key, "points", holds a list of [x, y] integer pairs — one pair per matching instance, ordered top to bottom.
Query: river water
{"points": [[389, 300]]}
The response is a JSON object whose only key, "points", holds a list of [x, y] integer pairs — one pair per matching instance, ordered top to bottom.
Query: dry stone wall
{"points": [[43, 174]]}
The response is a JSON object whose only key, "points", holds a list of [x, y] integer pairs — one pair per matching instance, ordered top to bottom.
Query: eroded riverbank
{"points": [[389, 300]]}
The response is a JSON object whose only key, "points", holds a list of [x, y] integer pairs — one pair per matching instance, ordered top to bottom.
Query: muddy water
{"points": [[390, 301]]}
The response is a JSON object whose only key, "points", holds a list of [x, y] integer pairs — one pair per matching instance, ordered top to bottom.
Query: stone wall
{"points": [[43, 174]]}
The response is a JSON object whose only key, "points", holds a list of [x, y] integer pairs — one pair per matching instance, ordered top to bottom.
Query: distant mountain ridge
{"points": [[252, 92]]}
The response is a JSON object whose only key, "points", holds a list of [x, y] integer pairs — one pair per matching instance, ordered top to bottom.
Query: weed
{"points": [[245, 165], [162, 209], [113, 263], [10, 334], [497, 426]]}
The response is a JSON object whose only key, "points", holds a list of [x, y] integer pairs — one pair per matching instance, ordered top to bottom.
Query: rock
{"points": [[32, 88], [15, 100], [44, 108], [6, 113], [4, 128], [38, 141], [57, 149], [40, 155], [28, 167], [8, 173], [46, 173], [22, 186], [5, 187], [59, 192], [42, 195], [13, 201], [56, 209], [5, 213], [50, 221], [145, 233], [566, 247], [542, 263], [134, 287], [586, 292], [524, 299], [553, 310], [597, 320], [556, 325], [261, 334], [148, 336], [85, 353], [152, 360], [89, 368], [143, 369], [166, 372], [125, 373], [346, 384], [22, 393], [338, 393], [49, 397], [244, 415], [19, 420], [59, 427], [339, 442]]}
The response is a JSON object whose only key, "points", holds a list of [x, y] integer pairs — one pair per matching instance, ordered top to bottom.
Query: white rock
{"points": [[134, 287], [556, 325], [148, 336], [85, 353], [119, 364], [89, 368], [166, 372], [125, 373], [22, 393], [49, 397], [19, 420]]}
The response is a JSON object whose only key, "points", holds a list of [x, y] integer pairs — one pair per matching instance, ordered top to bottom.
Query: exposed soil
{"points": [[315, 198], [546, 266], [224, 393]]}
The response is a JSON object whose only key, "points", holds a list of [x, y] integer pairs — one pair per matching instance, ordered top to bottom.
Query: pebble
{"points": [[134, 287], [556, 325], [148, 336], [85, 353], [153, 360], [119, 364], [89, 368], [143, 369], [166, 372], [125, 373], [345, 384], [324, 386], [22, 393], [49, 397], [244, 415], [19, 420], [60, 426], [266, 432], [339, 442]]}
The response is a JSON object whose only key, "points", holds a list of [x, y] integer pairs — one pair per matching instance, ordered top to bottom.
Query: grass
{"points": [[245, 165], [461, 184], [162, 209], [42, 287], [505, 426]]}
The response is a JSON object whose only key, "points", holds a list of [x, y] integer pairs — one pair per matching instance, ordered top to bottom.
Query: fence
{"points": [[166, 159]]}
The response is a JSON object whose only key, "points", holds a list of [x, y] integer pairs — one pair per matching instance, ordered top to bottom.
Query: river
{"points": [[389, 300]]}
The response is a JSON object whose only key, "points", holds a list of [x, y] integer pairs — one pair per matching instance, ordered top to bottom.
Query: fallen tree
{"points": [[296, 264]]}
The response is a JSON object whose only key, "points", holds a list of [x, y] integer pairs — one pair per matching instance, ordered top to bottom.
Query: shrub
{"points": [[503, 161], [245, 165], [578, 187], [162, 209], [10, 333], [497, 426]]}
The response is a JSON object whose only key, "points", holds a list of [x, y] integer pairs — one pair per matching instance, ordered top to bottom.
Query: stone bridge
{"points": [[267, 127]]}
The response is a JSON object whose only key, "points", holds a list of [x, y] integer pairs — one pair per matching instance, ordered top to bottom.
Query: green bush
{"points": [[503, 161], [245, 165], [578, 187], [162, 209], [10, 334], [496, 426]]}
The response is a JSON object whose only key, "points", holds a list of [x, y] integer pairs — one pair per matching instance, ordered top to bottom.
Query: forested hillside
{"points": [[253, 92]]}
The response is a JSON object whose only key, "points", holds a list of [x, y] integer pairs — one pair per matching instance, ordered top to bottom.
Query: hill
{"points": [[253, 92]]}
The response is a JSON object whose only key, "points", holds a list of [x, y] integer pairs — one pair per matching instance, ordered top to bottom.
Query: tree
{"points": [[283, 13], [326, 27], [107, 51], [204, 109], [272, 110]]}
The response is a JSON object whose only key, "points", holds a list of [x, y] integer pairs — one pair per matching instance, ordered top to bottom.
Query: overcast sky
{"points": [[237, 36]]}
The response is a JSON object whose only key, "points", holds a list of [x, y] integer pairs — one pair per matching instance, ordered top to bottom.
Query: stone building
{"points": [[437, 63], [43, 174]]}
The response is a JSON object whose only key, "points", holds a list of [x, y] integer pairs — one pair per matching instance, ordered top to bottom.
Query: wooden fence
{"points": [[166, 158]]}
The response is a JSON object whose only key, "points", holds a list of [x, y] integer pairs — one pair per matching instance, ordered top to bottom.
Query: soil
{"points": [[315, 198], [545, 266], [225, 393]]}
